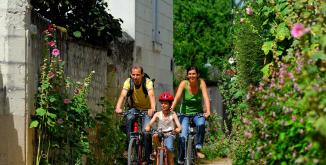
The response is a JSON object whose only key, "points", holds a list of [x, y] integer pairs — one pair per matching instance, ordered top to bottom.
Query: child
{"points": [[167, 121]]}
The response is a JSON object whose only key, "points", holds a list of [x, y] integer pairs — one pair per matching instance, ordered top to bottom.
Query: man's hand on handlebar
{"points": [[150, 112]]}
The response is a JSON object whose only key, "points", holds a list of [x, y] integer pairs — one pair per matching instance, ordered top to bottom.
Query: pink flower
{"points": [[249, 11], [51, 28], [298, 30], [51, 43], [55, 52], [51, 75], [66, 101], [294, 118], [60, 121], [247, 134]]}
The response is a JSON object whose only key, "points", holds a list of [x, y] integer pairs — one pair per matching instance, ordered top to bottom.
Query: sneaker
{"points": [[200, 155], [152, 156], [180, 162]]}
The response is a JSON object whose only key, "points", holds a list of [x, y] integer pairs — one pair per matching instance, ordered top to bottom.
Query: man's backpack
{"points": [[131, 90]]}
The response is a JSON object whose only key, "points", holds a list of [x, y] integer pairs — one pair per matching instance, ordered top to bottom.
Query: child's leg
{"points": [[169, 146]]}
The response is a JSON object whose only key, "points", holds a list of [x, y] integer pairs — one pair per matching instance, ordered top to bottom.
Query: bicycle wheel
{"points": [[191, 151], [133, 152], [161, 157]]}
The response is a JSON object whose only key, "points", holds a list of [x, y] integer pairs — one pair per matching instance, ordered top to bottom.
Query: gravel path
{"points": [[222, 161]]}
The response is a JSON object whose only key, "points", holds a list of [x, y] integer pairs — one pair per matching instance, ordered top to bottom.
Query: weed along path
{"points": [[220, 161]]}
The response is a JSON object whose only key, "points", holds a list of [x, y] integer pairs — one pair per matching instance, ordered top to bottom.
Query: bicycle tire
{"points": [[191, 151], [133, 152], [161, 162]]}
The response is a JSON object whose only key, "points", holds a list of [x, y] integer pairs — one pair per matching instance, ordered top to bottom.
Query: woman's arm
{"points": [[177, 97], [206, 98]]}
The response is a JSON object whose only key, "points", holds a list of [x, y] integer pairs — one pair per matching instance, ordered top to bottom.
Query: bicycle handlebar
{"points": [[200, 114]]}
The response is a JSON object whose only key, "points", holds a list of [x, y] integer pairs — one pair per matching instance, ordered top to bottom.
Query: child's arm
{"points": [[177, 123], [149, 125]]}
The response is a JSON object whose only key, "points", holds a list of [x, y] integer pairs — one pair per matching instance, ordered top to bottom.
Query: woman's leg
{"points": [[200, 124], [183, 138]]}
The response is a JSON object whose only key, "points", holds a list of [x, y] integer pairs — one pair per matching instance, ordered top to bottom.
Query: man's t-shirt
{"points": [[141, 101]]}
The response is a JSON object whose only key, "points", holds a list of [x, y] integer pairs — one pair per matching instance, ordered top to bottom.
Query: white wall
{"points": [[124, 9]]}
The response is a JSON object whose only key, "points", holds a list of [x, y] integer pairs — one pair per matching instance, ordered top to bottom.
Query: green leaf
{"points": [[282, 32], [77, 34], [267, 46], [318, 55], [266, 71], [52, 99], [40, 112], [52, 115], [33, 124], [320, 124]]}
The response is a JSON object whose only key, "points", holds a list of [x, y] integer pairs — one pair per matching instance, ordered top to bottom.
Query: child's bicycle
{"points": [[161, 151]]}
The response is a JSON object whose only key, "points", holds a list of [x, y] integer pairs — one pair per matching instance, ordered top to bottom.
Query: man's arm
{"points": [[121, 99], [152, 102]]}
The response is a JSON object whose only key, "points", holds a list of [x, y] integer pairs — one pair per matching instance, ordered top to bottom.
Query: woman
{"points": [[193, 90]]}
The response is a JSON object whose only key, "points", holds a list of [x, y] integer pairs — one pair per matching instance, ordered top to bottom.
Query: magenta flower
{"points": [[249, 11], [51, 28], [298, 30], [52, 43], [55, 52], [66, 101]]}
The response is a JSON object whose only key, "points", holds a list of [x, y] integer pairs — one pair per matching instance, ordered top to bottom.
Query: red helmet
{"points": [[166, 96]]}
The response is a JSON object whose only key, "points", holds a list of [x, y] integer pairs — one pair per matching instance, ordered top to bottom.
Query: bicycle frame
{"points": [[136, 139], [161, 151]]}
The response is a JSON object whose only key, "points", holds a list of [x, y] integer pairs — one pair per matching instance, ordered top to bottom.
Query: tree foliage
{"points": [[85, 19], [201, 31]]}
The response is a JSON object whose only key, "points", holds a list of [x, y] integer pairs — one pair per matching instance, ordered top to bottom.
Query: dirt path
{"points": [[222, 161]]}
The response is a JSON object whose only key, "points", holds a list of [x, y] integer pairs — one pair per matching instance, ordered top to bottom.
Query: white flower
{"points": [[231, 60], [93, 71]]}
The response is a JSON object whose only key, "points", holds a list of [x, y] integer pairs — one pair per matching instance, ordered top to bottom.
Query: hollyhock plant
{"points": [[249, 11], [298, 30], [52, 43], [55, 52]]}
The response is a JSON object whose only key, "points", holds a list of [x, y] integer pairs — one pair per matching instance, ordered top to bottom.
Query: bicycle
{"points": [[135, 147], [190, 147], [161, 150]]}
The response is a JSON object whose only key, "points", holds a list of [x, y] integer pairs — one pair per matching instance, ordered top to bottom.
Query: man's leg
{"points": [[130, 119], [147, 138], [183, 138], [169, 146]]}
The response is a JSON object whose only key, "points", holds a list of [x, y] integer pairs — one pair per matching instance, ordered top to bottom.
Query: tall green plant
{"points": [[62, 116]]}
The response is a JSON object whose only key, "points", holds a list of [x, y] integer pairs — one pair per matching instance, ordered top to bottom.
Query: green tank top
{"points": [[191, 104]]}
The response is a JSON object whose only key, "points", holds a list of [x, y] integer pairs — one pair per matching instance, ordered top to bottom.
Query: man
{"points": [[142, 99]]}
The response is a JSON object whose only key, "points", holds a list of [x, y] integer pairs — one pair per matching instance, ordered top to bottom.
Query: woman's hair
{"points": [[192, 68]]}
